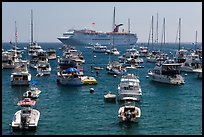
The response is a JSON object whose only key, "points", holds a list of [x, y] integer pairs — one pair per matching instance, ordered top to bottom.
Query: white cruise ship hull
{"points": [[104, 39]]}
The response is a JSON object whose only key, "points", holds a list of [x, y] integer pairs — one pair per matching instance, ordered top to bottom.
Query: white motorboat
{"points": [[99, 48], [113, 51], [143, 51], [51, 54], [7, 61], [192, 63], [43, 68], [115, 68], [168, 72], [199, 72], [20, 75], [70, 77], [129, 87], [33, 92], [110, 97], [129, 112], [26, 118]]}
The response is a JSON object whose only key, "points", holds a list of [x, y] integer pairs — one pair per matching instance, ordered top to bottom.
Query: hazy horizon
{"points": [[51, 19]]}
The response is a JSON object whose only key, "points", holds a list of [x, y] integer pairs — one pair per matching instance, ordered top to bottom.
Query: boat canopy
{"points": [[72, 70], [26, 102]]}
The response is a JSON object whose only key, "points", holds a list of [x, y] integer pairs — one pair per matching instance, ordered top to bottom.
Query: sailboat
{"points": [[33, 48], [114, 50], [180, 53], [151, 57], [193, 63], [20, 75]]}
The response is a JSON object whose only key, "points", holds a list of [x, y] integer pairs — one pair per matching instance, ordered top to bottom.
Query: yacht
{"points": [[192, 63], [70, 69], [167, 72], [20, 75], [70, 77], [129, 87], [27, 118]]}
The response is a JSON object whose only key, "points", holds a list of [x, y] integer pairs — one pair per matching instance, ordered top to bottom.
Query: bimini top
{"points": [[72, 70], [26, 102]]}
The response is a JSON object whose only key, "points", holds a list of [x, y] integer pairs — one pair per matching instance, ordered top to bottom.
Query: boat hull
{"points": [[77, 39], [178, 80], [69, 81], [19, 82], [134, 115], [32, 124]]}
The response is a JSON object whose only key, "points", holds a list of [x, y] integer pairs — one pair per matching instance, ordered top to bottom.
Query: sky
{"points": [[51, 19]]}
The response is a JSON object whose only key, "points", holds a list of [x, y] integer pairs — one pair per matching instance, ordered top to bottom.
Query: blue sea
{"points": [[166, 109]]}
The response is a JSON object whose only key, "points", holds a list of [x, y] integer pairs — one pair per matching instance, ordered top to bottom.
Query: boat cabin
{"points": [[171, 69]]}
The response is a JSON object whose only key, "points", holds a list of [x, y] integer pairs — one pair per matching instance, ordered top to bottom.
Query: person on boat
{"points": [[97, 73], [29, 94], [128, 114]]}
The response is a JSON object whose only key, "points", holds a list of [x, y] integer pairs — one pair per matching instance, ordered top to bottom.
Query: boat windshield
{"points": [[170, 69], [129, 103]]}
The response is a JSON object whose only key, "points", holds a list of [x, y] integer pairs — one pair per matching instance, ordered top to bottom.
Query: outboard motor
{"points": [[128, 115], [23, 121]]}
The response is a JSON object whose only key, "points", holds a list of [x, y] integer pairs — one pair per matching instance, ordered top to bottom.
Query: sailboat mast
{"points": [[113, 19], [113, 24], [128, 25], [31, 26], [157, 29], [129, 30], [152, 30], [179, 32], [163, 33], [16, 34], [149, 35], [196, 40]]}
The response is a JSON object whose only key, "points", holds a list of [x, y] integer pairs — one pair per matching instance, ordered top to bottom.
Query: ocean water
{"points": [[166, 109]]}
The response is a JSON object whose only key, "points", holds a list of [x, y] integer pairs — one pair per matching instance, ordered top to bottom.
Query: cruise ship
{"points": [[91, 37]]}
